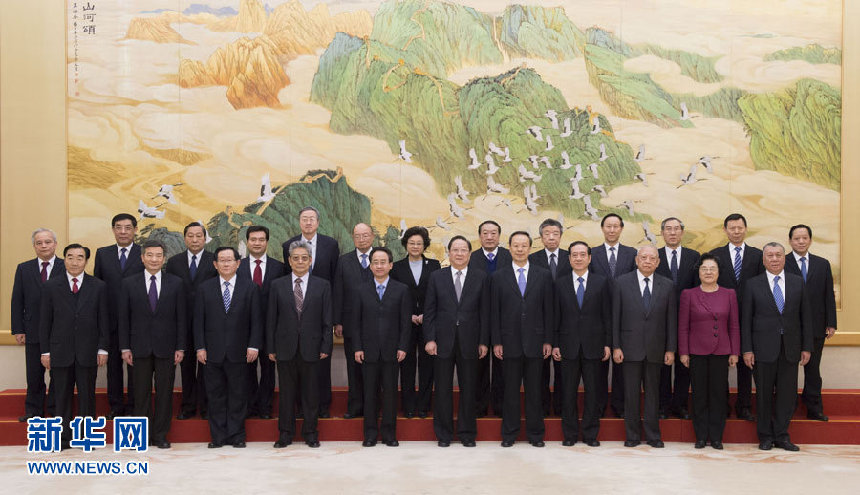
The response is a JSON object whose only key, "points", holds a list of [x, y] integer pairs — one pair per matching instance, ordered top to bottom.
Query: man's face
{"points": [[309, 223], [611, 230], [736, 231], [123, 232], [672, 233], [551, 236], [362, 237], [489, 237], [195, 239], [800, 241], [257, 244], [44, 245], [520, 249], [459, 254], [579, 258], [153, 259], [774, 259], [647, 260], [75, 261], [300, 261], [226, 264], [380, 265]]}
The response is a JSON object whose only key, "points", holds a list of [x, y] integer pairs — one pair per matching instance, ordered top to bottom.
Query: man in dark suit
{"points": [[324, 254], [488, 258], [612, 259], [557, 261], [739, 262], [114, 263], [678, 264], [194, 266], [262, 270], [353, 270], [30, 276], [818, 278], [382, 315], [521, 322], [457, 331], [228, 334], [298, 334], [73, 335], [776, 335], [152, 337], [644, 337], [581, 341]]}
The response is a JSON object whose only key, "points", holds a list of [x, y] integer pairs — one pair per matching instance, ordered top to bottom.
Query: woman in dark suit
{"points": [[414, 270], [709, 343]]}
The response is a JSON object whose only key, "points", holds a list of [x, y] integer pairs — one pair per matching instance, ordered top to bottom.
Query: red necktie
{"points": [[45, 270], [258, 274], [74, 286]]}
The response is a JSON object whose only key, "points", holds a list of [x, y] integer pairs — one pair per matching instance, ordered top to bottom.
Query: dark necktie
{"points": [[122, 258], [612, 261], [738, 262], [491, 263], [45, 264], [553, 266], [673, 266], [803, 267], [192, 269], [258, 273], [458, 285], [74, 286], [580, 291], [153, 293], [226, 296], [299, 296], [646, 296]]}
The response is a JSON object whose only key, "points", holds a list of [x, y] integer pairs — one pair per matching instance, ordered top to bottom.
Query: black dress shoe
{"points": [[680, 412], [617, 413], [114, 414], [250, 414], [324, 414], [422, 414], [481, 414], [745, 414], [185, 415], [204, 415], [300, 415], [408, 415], [663, 415], [265, 416], [351, 416], [817, 416], [24, 418], [283, 441], [368, 443], [392, 443], [443, 443], [468, 443], [507, 443], [539, 443], [568, 443], [592, 443], [631, 443], [161, 444], [314, 444], [657, 444], [700, 444], [717, 444], [214, 445], [239, 445], [765, 445], [786, 445]]}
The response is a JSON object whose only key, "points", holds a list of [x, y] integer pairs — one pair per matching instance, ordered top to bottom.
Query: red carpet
{"points": [[843, 407]]}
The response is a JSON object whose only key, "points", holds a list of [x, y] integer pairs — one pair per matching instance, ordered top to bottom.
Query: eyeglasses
{"points": [[298, 258]]}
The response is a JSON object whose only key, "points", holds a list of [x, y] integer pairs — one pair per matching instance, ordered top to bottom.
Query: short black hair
{"points": [[610, 215], [123, 216], [732, 218], [491, 222], [550, 222], [193, 224], [799, 226], [256, 228], [413, 231], [520, 232], [459, 238], [153, 243], [579, 243], [77, 246], [227, 248], [384, 250], [705, 257]]}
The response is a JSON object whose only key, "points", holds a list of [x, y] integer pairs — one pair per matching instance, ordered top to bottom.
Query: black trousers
{"points": [[417, 362], [525, 371], [571, 371], [164, 372], [384, 374], [296, 375], [639, 375], [709, 376], [115, 377], [66, 378], [811, 379], [193, 380], [354, 380], [324, 384], [491, 385], [262, 388], [227, 392], [674, 392], [603, 396], [776, 397], [552, 399], [744, 399], [35, 404], [443, 406]]}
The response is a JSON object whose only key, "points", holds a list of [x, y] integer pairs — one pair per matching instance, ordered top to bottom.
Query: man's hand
{"points": [[338, 331], [829, 332], [20, 338], [430, 347], [547, 350], [482, 351], [498, 351], [556, 353], [606, 353], [251, 355], [323, 355], [401, 355], [178, 356], [201, 356], [618, 356], [272, 357], [359, 357], [804, 357], [128, 358], [669, 358], [102, 359], [749, 359], [685, 360], [733, 360], [46, 361]]}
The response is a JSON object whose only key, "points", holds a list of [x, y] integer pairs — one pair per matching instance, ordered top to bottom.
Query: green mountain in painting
{"points": [[813, 53]]}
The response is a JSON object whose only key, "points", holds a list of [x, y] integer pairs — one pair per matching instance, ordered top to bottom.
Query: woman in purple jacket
{"points": [[709, 343]]}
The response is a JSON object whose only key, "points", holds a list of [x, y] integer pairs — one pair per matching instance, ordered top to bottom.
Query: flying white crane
{"points": [[552, 115], [405, 155], [266, 193]]}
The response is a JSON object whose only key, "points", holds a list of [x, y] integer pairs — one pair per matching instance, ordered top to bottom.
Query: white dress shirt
{"points": [[313, 242], [494, 252], [734, 253], [190, 254], [677, 255], [797, 259], [252, 264], [48, 268], [517, 271], [462, 274], [304, 278], [80, 280], [157, 281], [584, 281], [642, 282], [781, 283], [231, 289]]}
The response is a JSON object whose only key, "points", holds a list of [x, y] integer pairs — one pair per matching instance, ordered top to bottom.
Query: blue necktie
{"points": [[122, 258], [364, 261], [612, 262], [738, 262], [673, 266], [803, 267], [193, 268], [521, 281], [380, 289], [580, 291], [153, 293], [777, 295], [226, 296], [646, 296]]}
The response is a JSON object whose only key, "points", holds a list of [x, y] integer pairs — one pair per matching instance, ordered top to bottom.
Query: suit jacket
{"points": [[540, 258], [325, 260], [478, 260], [625, 261], [178, 265], [751, 265], [107, 269], [274, 269], [403, 274], [348, 277], [688, 277], [819, 290], [27, 296], [468, 319], [761, 321], [521, 323], [709, 323], [74, 327], [383, 327], [588, 328], [287, 332], [147, 333], [227, 335], [644, 335]]}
